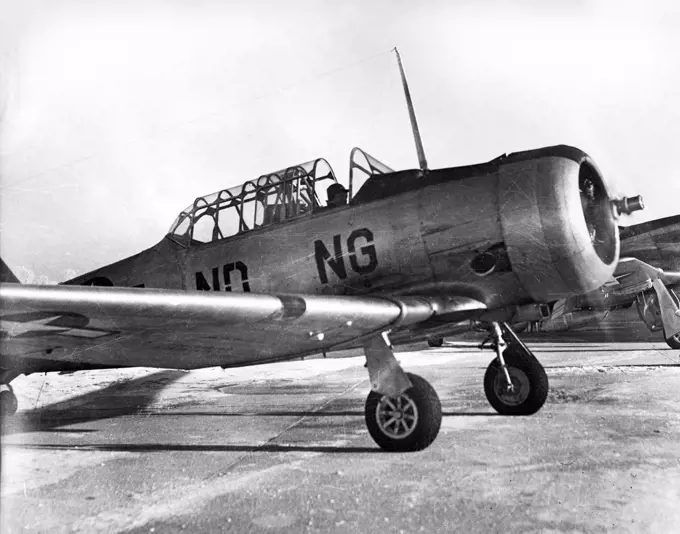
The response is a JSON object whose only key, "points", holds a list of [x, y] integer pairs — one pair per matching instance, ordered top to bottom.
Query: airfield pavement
{"points": [[283, 448]]}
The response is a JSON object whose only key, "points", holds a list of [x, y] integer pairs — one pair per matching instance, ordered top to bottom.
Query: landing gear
{"points": [[660, 310], [435, 341], [674, 341], [515, 383], [8, 401], [403, 412], [405, 422]]}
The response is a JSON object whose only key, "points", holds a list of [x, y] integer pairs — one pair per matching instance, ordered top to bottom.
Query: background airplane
{"points": [[650, 252], [263, 272]]}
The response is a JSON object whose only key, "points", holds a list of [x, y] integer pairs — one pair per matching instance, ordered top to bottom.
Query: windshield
{"points": [[362, 166], [278, 196], [269, 199]]}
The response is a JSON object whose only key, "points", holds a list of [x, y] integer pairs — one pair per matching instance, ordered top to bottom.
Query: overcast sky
{"points": [[116, 115]]}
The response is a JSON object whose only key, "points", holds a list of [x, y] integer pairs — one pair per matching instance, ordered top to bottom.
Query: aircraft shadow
{"points": [[629, 333], [538, 349], [619, 365], [125, 397], [134, 397], [280, 413], [162, 447], [267, 447]]}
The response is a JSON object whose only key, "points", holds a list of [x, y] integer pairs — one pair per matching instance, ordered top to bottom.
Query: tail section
{"points": [[6, 274]]}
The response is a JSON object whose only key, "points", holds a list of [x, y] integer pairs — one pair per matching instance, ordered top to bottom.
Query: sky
{"points": [[115, 115]]}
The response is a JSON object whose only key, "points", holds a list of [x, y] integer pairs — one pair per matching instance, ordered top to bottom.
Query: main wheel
{"points": [[435, 341], [674, 341], [529, 380], [8, 403], [406, 422]]}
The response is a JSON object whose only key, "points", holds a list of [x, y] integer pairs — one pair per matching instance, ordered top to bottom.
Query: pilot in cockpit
{"points": [[337, 196], [588, 203]]}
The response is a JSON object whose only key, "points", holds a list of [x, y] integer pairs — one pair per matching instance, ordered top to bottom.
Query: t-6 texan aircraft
{"points": [[263, 272], [647, 275]]}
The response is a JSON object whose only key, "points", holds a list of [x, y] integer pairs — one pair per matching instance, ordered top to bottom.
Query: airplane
{"points": [[262, 272], [634, 282], [652, 288]]}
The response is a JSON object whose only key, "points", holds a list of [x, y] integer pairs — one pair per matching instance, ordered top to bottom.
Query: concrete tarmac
{"points": [[283, 448]]}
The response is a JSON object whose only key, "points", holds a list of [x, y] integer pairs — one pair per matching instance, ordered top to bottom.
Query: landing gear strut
{"points": [[515, 383]]}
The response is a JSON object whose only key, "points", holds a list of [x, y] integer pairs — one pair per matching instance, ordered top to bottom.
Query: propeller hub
{"points": [[628, 205]]}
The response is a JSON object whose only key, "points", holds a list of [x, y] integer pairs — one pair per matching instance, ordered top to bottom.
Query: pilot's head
{"points": [[588, 188], [337, 195]]}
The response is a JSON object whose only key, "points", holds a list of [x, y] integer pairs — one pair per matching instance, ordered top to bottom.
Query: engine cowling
{"points": [[558, 222]]}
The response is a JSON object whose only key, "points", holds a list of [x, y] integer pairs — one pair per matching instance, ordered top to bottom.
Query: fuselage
{"points": [[506, 232], [419, 241]]}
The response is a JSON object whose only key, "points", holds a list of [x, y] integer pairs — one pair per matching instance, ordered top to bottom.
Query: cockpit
{"points": [[270, 199]]}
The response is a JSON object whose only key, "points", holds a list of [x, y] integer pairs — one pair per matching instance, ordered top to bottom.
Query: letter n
{"points": [[335, 262], [203, 285]]}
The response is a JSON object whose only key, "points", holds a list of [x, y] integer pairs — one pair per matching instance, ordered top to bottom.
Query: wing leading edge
{"points": [[113, 326]]}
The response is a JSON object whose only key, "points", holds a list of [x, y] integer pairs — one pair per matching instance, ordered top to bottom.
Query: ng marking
{"points": [[363, 261]]}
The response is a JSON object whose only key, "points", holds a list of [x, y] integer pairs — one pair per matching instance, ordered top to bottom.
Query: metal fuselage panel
{"points": [[459, 220], [408, 235], [420, 241], [342, 251], [161, 266]]}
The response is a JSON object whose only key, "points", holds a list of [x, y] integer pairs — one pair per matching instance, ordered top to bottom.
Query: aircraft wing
{"points": [[652, 240], [633, 275], [61, 327]]}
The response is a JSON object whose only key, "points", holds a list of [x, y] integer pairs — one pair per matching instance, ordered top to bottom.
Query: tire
{"points": [[521, 327], [435, 341], [674, 341], [527, 375], [8, 403], [407, 422]]}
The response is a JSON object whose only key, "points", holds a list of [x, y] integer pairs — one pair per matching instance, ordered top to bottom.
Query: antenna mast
{"points": [[412, 116]]}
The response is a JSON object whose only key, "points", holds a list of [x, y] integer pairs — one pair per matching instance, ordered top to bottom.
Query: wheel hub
{"points": [[515, 393], [397, 416]]}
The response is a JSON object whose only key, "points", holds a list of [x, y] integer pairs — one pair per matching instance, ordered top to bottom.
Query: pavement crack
{"points": [[312, 413], [272, 441]]}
